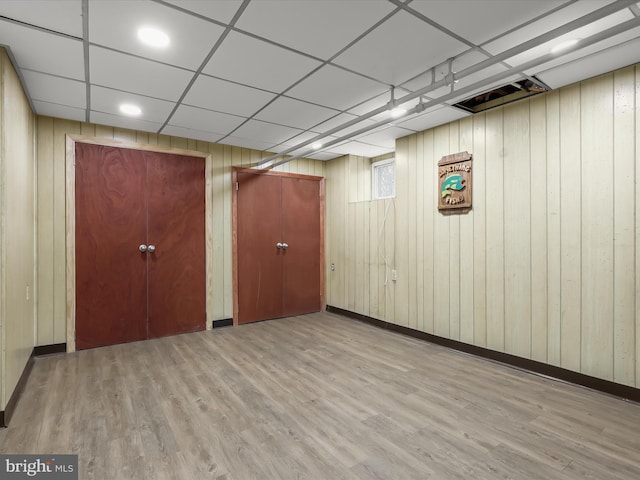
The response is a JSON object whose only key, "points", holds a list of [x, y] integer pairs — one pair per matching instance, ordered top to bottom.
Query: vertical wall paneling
{"points": [[596, 117], [60, 129], [624, 192], [404, 208], [430, 210], [217, 212], [554, 218], [570, 227], [495, 229], [517, 229], [17, 230], [412, 233], [479, 233], [420, 234], [45, 239], [538, 240], [455, 242], [637, 244], [442, 245], [466, 248], [545, 265]]}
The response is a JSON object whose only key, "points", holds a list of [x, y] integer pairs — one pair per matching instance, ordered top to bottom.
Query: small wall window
{"points": [[383, 177]]}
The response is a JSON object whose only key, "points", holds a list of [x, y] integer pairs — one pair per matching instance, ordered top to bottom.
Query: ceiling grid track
{"points": [[278, 76]]}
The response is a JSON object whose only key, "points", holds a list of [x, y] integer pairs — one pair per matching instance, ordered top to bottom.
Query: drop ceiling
{"points": [[277, 75]]}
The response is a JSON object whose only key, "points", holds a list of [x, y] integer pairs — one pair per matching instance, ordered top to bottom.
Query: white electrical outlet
{"points": [[394, 275]]}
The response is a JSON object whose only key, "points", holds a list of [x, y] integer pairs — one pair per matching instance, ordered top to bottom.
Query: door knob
{"points": [[278, 245], [285, 246], [142, 248], [151, 248]]}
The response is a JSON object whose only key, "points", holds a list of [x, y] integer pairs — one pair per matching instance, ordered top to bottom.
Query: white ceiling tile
{"points": [[221, 10], [63, 16], [557, 19], [483, 20], [318, 27], [581, 33], [191, 38], [400, 49], [43, 52], [592, 52], [259, 64], [590, 66], [136, 75], [336, 88], [55, 89], [227, 97], [106, 100], [59, 111], [295, 113], [101, 118], [434, 118], [205, 120], [340, 120], [266, 132], [191, 133], [303, 137], [386, 137], [297, 140], [247, 143], [359, 148], [324, 156]]}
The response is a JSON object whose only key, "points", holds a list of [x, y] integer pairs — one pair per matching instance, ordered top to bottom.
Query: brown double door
{"points": [[126, 199], [278, 246]]}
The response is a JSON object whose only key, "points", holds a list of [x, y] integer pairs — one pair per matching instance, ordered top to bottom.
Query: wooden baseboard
{"points": [[225, 322], [41, 350], [623, 391], [9, 409], [7, 413]]}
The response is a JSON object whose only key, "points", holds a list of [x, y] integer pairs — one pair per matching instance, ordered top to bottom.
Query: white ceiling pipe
{"points": [[598, 37], [447, 80]]}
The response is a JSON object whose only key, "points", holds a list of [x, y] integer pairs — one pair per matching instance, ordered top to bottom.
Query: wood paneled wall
{"points": [[51, 213], [17, 229], [545, 266]]}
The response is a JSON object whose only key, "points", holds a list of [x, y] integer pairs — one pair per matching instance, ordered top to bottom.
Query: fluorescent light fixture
{"points": [[153, 37], [564, 45], [131, 110], [398, 112], [316, 146]]}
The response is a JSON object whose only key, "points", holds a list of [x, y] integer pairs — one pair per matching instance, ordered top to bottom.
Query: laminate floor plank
{"points": [[315, 397]]}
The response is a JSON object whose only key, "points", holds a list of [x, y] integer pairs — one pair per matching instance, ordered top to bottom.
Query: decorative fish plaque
{"points": [[454, 182]]}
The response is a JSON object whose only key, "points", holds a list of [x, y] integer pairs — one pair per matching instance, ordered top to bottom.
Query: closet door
{"points": [[126, 199], [278, 245], [301, 258], [259, 263], [176, 268], [111, 273]]}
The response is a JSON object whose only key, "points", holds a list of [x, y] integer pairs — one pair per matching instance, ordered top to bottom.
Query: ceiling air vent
{"points": [[503, 95]]}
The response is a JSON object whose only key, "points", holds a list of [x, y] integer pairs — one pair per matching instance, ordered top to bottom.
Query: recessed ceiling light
{"points": [[153, 37], [564, 45], [129, 109], [398, 112], [316, 146]]}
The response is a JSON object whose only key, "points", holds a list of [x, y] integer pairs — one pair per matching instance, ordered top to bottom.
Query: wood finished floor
{"points": [[315, 397]]}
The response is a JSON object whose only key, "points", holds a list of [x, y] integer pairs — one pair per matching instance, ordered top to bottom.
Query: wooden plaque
{"points": [[454, 182]]}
